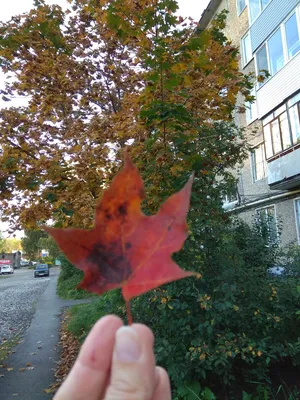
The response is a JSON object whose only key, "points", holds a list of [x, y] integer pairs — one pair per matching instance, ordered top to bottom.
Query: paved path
{"points": [[38, 348]]}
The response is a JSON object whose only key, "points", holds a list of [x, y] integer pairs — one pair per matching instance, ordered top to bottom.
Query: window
{"points": [[241, 4], [256, 7], [292, 36], [280, 47], [246, 49], [276, 56], [262, 61], [251, 108], [294, 112], [282, 127], [259, 168], [230, 198], [297, 211], [266, 220]]}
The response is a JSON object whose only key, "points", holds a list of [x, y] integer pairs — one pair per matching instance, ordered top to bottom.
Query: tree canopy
{"points": [[103, 75]]}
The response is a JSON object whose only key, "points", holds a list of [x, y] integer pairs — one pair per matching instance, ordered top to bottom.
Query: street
{"points": [[19, 294], [28, 302]]}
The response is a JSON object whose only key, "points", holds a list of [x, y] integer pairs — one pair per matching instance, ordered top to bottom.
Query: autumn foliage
{"points": [[90, 80]]}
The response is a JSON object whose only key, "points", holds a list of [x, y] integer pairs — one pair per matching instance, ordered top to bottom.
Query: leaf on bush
{"points": [[127, 249]]}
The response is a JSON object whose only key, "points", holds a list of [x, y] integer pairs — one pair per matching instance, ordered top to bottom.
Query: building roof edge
{"points": [[207, 14]]}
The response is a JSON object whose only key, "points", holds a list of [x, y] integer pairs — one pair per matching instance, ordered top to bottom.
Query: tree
{"points": [[109, 74], [31, 242], [2, 243], [12, 244], [49, 244]]}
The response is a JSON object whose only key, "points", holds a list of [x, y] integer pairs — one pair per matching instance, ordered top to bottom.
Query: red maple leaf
{"points": [[127, 249]]}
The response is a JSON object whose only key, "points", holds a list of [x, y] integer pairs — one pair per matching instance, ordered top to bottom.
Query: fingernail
{"points": [[128, 348]]}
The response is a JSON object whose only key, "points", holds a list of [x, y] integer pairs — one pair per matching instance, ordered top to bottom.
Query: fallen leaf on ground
{"points": [[127, 249], [69, 346], [9, 369], [21, 369]]}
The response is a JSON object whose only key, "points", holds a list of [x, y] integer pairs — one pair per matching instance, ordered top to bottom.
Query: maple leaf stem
{"points": [[128, 310]]}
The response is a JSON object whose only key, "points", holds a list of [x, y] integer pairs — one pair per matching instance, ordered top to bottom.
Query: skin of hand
{"points": [[116, 363]]}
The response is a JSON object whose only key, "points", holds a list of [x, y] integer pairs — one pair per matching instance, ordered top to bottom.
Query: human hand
{"points": [[116, 363]]}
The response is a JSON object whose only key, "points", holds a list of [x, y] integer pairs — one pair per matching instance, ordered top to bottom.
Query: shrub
{"points": [[68, 281], [216, 335]]}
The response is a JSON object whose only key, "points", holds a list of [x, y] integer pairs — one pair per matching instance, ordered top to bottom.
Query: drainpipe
{"points": [[254, 203]]}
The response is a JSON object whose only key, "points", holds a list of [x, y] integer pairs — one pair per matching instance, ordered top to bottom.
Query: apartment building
{"points": [[268, 35]]}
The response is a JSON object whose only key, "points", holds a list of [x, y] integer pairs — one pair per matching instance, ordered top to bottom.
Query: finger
{"points": [[133, 366], [89, 374], [163, 388]]}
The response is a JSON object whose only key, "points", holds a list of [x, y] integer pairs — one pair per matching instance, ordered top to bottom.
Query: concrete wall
{"points": [[285, 215]]}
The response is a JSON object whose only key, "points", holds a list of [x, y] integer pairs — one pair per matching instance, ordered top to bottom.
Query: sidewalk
{"points": [[35, 358]]}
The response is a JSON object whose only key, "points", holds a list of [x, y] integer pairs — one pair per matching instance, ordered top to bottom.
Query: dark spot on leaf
{"points": [[122, 209], [108, 216], [169, 227], [128, 245], [113, 267]]}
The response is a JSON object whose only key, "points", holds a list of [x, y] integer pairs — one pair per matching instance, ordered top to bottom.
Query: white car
{"points": [[7, 269]]}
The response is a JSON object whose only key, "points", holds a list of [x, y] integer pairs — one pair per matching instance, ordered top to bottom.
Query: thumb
{"points": [[133, 365]]}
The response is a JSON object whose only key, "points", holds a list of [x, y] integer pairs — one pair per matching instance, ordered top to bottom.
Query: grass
{"points": [[66, 287], [84, 316], [7, 346]]}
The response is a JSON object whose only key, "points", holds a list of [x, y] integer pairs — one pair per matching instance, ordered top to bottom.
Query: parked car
{"points": [[24, 263], [32, 263], [7, 269], [41, 270]]}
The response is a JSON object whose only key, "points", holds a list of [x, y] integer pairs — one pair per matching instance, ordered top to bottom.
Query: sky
{"points": [[187, 8]]}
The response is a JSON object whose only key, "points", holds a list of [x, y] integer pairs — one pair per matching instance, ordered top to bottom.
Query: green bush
{"points": [[68, 280], [230, 327], [223, 334]]}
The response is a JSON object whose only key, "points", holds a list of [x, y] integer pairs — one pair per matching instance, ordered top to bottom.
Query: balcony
{"points": [[279, 87], [284, 170]]}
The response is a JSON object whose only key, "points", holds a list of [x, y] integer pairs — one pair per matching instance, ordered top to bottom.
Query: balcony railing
{"points": [[284, 170]]}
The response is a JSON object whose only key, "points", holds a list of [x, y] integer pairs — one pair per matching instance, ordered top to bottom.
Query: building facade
{"points": [[267, 33], [13, 259]]}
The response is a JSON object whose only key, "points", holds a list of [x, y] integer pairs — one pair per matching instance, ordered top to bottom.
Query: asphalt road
{"points": [[18, 298], [30, 369]]}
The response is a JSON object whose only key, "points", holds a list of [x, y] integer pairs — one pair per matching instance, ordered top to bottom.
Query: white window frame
{"points": [[296, 11], [239, 12], [249, 14], [281, 27], [244, 52], [260, 84], [253, 107], [275, 113], [253, 164], [275, 216], [297, 218]]}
